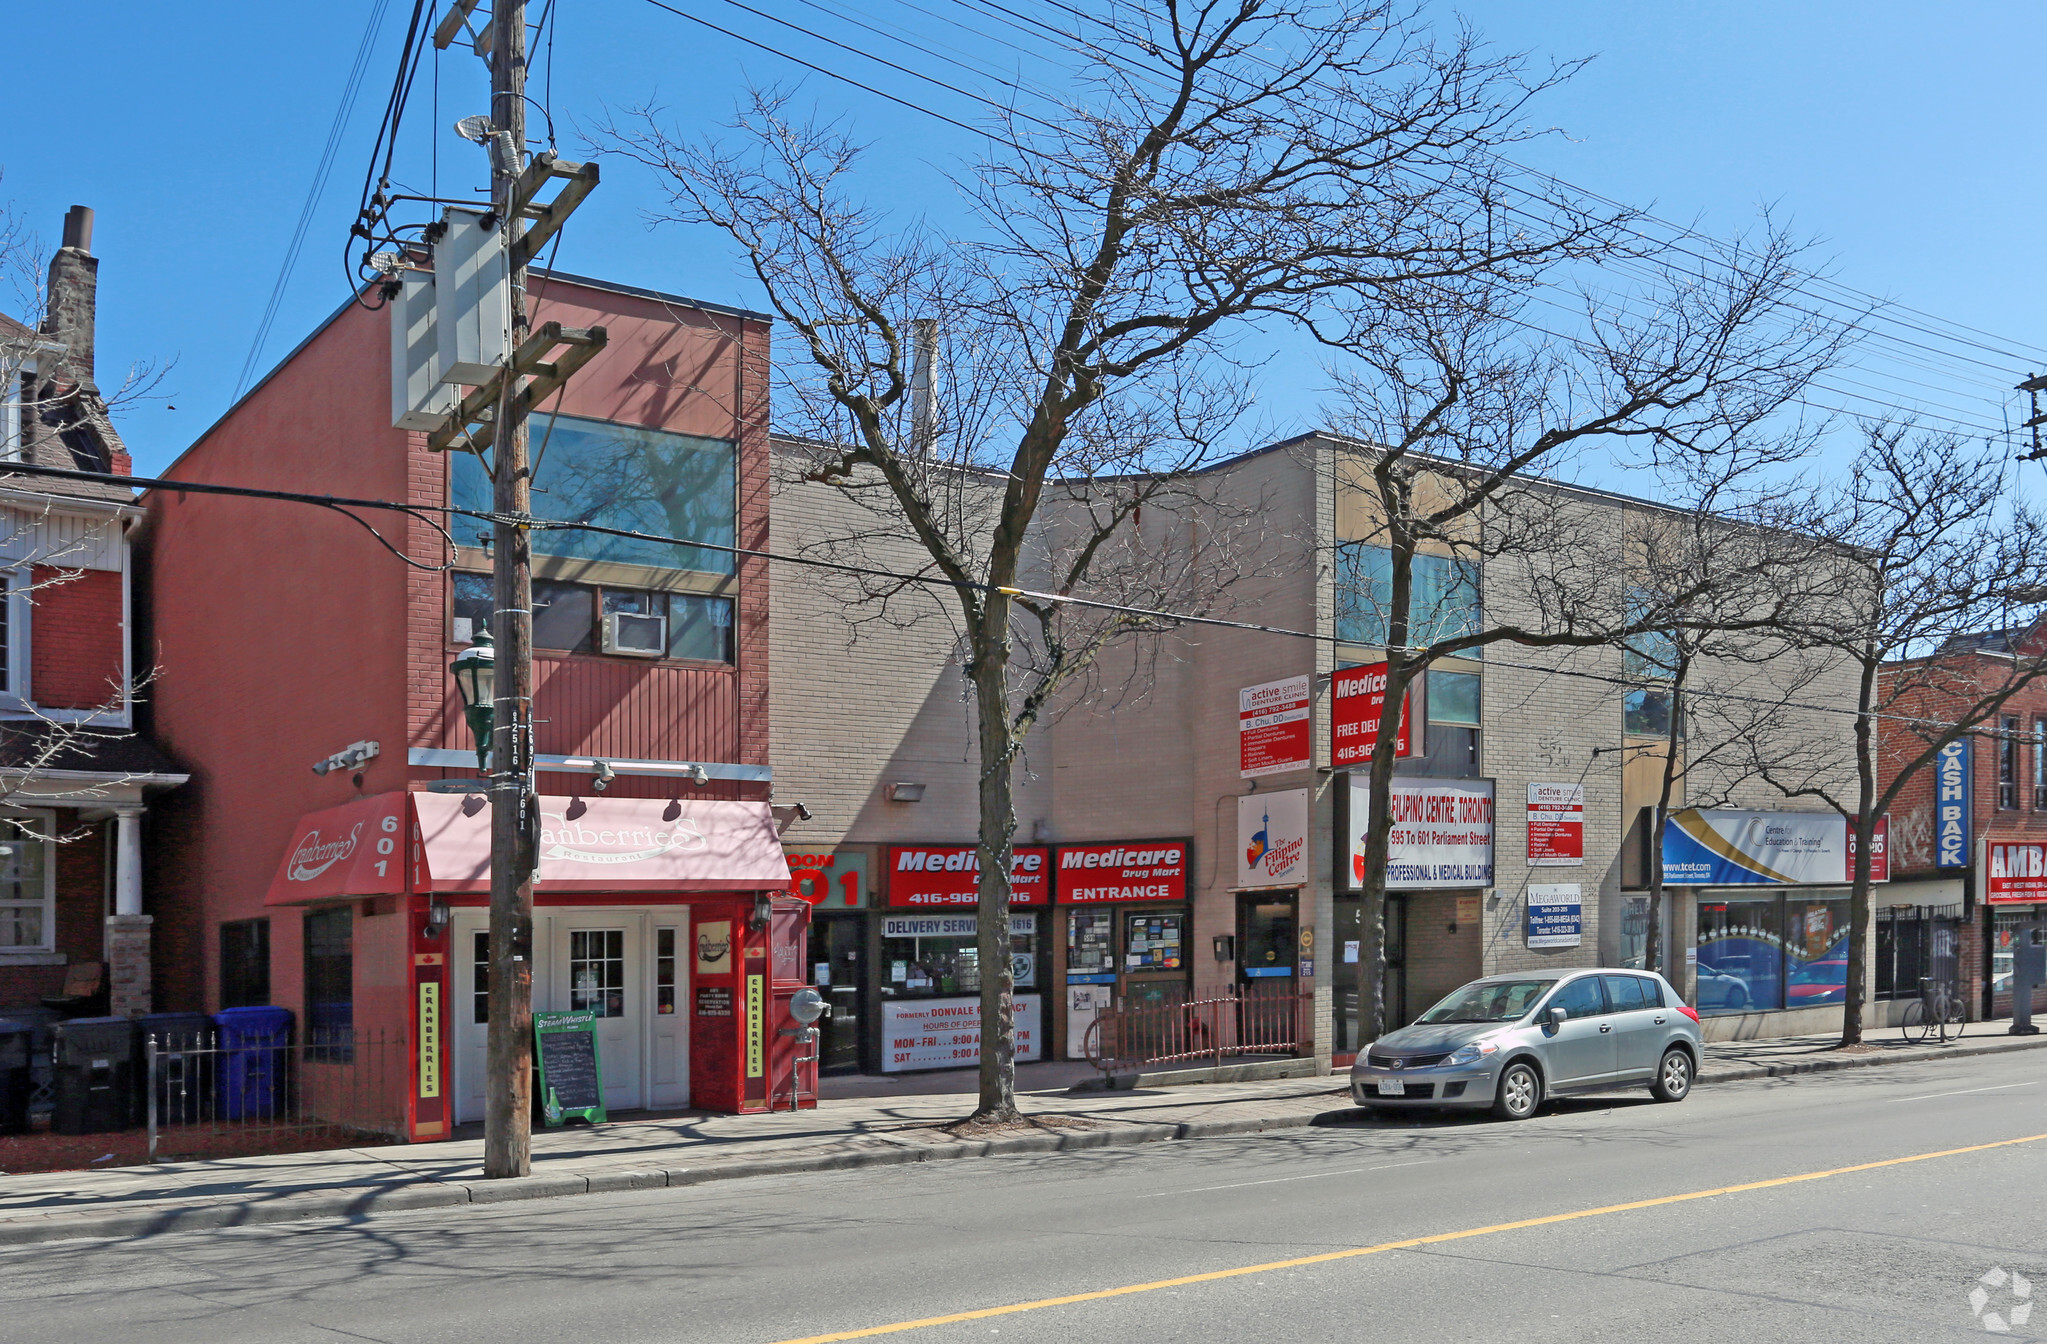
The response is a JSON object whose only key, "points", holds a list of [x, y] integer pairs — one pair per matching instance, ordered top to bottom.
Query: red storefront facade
{"points": [[292, 636]]}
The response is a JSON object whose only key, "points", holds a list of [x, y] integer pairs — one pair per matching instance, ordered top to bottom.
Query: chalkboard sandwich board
{"points": [[571, 1083]]}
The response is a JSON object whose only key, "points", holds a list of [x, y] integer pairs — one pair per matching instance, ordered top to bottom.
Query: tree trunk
{"points": [[1673, 736], [1863, 826], [998, 829]]}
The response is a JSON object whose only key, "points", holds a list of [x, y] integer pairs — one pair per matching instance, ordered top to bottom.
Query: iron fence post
{"points": [[149, 1081]]}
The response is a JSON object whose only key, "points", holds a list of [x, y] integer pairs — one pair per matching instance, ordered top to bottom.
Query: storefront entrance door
{"points": [[836, 946], [595, 967]]}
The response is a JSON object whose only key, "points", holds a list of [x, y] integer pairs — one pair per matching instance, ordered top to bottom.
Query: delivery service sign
{"points": [[1357, 701], [1272, 727], [1442, 832], [1272, 838]]}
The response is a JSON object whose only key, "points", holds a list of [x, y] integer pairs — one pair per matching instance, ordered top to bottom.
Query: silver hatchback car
{"points": [[1508, 1042]]}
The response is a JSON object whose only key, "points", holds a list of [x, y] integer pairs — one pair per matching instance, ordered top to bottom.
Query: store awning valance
{"points": [[610, 844]]}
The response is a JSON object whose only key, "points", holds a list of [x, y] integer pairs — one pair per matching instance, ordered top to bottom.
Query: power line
{"points": [[350, 89], [1862, 319], [342, 503]]}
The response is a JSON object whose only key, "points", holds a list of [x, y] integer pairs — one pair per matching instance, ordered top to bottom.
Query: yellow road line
{"points": [[1354, 1252]]}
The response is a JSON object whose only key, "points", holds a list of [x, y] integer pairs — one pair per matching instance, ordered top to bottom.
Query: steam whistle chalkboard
{"points": [[571, 1083]]}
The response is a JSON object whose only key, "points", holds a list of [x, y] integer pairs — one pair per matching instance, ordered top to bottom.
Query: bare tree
{"points": [[1229, 165], [1466, 405], [1929, 551], [1730, 671]]}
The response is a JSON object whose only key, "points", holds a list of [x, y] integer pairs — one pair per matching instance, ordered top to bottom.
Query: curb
{"points": [[361, 1202]]}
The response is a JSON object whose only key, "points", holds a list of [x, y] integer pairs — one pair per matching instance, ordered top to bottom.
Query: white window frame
{"points": [[14, 584], [46, 823]]}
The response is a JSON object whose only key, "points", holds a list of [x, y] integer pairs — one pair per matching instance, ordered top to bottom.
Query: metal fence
{"points": [[1254, 1021], [200, 1095]]}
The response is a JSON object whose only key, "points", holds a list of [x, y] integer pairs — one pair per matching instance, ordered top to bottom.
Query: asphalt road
{"points": [[1890, 1252]]}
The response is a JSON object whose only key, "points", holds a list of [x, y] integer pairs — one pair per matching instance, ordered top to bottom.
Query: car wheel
{"points": [[1673, 1076], [1519, 1093]]}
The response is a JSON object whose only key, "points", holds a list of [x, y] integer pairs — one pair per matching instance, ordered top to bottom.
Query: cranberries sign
{"points": [[1357, 700], [941, 876]]}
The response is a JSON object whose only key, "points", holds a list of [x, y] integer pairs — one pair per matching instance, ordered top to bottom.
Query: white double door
{"points": [[626, 965]]}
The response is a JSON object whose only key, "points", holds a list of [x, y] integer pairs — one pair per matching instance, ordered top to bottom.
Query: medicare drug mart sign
{"points": [[1357, 699], [1272, 727], [1442, 833], [1148, 870], [950, 875]]}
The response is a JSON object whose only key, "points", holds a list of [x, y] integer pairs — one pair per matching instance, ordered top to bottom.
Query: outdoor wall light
{"points": [[475, 670], [605, 774], [699, 776], [906, 793], [763, 910], [437, 916]]}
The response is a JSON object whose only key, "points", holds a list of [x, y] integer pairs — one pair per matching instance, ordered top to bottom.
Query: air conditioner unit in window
{"points": [[634, 634]]}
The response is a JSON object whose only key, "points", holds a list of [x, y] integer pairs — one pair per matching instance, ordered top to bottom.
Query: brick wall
{"points": [[77, 638]]}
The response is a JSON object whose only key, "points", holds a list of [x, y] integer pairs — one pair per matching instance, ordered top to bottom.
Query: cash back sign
{"points": [[570, 1081]]}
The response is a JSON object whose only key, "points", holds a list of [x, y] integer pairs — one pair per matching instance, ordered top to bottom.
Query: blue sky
{"points": [[1904, 137]]}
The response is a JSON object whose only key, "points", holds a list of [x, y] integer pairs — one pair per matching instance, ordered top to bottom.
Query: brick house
{"points": [[75, 777], [356, 896], [1958, 900]]}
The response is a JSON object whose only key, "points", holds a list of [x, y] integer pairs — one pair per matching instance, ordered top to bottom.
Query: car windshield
{"points": [[1489, 1001]]}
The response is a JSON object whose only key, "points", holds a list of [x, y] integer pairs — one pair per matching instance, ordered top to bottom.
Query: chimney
{"points": [[74, 296]]}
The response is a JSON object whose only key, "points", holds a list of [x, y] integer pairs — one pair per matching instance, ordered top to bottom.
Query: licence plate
{"points": [[1392, 1089]]}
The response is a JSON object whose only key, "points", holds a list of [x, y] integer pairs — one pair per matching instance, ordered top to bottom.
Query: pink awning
{"points": [[610, 844], [358, 849]]}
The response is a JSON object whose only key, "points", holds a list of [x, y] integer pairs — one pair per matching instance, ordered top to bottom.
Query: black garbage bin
{"points": [[184, 1065], [94, 1066], [16, 1085]]}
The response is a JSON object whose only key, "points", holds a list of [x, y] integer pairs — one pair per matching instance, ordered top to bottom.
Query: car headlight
{"points": [[1472, 1053]]}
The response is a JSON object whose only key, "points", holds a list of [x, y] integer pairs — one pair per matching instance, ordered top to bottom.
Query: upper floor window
{"points": [[622, 476], [1444, 601], [582, 618], [1453, 698], [2008, 762], [2040, 765], [28, 884]]}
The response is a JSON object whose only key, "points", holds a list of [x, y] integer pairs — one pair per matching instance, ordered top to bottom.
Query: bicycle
{"points": [[1938, 1009]]}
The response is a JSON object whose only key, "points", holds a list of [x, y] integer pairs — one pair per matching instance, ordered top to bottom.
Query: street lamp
{"points": [[475, 670]]}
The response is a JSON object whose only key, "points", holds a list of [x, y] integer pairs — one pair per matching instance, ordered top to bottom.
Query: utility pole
{"points": [[491, 419], [508, 1074]]}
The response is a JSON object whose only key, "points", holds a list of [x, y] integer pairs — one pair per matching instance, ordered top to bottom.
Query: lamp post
{"points": [[475, 670]]}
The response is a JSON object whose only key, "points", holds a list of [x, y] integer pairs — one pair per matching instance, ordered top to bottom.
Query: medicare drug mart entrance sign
{"points": [[1272, 727], [1442, 833]]}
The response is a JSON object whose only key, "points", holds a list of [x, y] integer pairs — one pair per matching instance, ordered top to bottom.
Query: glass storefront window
{"points": [[2007, 928], [1153, 941], [1634, 948], [1816, 948], [1088, 949], [1741, 955], [931, 956]]}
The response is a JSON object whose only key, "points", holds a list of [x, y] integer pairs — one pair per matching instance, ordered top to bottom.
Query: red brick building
{"points": [[291, 635], [75, 777], [1960, 824]]}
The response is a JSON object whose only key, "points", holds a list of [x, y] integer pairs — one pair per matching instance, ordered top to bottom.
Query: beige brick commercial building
{"points": [[1173, 872]]}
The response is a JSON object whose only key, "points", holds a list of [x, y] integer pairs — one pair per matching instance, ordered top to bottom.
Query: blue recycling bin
{"points": [[255, 1062]]}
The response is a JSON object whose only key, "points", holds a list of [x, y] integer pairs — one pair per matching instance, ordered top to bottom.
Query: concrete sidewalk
{"points": [[693, 1147]]}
